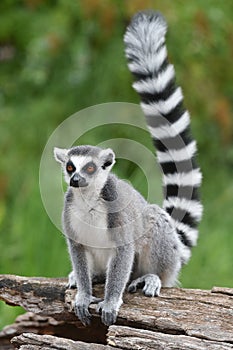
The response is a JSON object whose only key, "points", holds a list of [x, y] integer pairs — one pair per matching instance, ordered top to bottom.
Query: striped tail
{"points": [[168, 122]]}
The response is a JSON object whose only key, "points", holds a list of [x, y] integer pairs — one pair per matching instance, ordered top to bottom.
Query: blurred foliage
{"points": [[57, 57]]}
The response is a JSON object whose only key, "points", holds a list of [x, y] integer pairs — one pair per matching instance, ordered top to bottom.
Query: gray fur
{"points": [[84, 151], [138, 242]]}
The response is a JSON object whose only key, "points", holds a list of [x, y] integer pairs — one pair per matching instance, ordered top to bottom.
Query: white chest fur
{"points": [[88, 220], [89, 226], [99, 259]]}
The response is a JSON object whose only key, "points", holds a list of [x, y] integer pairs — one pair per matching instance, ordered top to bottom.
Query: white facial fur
{"points": [[80, 161], [95, 181]]}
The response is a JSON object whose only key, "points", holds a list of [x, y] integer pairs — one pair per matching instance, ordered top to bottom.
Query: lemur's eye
{"points": [[70, 167], [90, 168]]}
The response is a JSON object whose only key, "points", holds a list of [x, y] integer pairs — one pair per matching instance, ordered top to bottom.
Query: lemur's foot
{"points": [[71, 280], [150, 284], [95, 300]]}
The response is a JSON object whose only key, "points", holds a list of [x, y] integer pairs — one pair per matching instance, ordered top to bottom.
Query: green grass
{"points": [[67, 58], [211, 263]]}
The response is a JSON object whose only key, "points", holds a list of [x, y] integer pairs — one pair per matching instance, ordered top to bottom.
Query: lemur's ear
{"points": [[60, 154], [108, 158]]}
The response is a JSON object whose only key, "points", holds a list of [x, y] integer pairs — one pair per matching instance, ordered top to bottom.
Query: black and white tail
{"points": [[168, 122]]}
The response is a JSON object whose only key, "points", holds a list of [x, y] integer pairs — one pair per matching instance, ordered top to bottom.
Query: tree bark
{"points": [[178, 319], [131, 338], [32, 341]]}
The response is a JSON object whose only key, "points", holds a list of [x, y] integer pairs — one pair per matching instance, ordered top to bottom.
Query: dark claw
{"points": [[71, 286], [132, 289], [99, 307]]}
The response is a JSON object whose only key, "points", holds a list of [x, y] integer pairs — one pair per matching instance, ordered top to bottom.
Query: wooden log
{"points": [[38, 295], [48, 298], [193, 314], [32, 323], [131, 338], [30, 341]]}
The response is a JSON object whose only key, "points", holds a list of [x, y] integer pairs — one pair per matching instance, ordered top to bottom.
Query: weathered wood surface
{"points": [[178, 316], [32, 323], [131, 338], [30, 341]]}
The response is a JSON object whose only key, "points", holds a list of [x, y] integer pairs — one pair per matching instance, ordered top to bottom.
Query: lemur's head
{"points": [[85, 166]]}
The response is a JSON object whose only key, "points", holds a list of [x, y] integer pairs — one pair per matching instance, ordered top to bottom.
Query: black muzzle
{"points": [[78, 181]]}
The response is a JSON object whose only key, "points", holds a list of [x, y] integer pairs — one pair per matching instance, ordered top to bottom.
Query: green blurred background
{"points": [[58, 57]]}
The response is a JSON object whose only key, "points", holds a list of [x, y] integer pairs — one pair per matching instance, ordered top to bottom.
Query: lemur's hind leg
{"points": [[159, 258], [71, 280], [150, 284]]}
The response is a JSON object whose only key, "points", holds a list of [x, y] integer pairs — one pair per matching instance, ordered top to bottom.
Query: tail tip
{"points": [[149, 16]]}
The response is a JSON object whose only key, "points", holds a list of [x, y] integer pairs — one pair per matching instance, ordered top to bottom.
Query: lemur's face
{"points": [[85, 166], [80, 170]]}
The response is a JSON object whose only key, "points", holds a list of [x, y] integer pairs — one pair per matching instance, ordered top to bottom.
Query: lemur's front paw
{"points": [[81, 305], [108, 311]]}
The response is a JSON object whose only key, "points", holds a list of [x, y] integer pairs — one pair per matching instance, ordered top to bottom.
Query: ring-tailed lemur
{"points": [[112, 233]]}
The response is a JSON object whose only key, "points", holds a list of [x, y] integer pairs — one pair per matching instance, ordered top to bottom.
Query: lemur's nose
{"points": [[77, 181]]}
